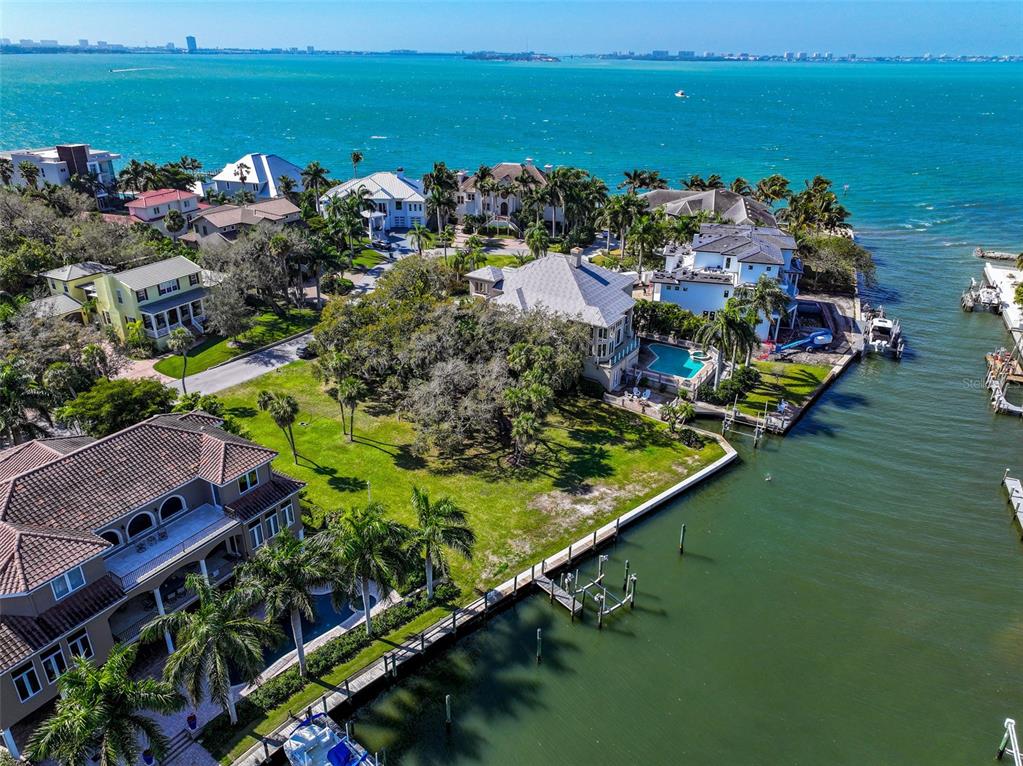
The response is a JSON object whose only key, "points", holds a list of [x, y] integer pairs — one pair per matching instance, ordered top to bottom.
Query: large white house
{"points": [[57, 164], [261, 173], [398, 201], [503, 203], [723, 259], [568, 285]]}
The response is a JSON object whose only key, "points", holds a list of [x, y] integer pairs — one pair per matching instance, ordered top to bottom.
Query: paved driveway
{"points": [[244, 369]]}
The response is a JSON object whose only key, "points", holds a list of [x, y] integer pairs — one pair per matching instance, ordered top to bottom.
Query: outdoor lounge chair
{"points": [[635, 392], [646, 395]]}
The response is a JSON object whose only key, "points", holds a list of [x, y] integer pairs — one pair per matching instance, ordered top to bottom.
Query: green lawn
{"points": [[368, 258], [500, 261], [213, 350], [783, 380], [594, 463]]}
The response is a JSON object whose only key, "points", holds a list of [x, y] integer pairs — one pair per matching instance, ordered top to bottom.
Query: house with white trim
{"points": [[57, 164], [261, 172], [397, 200], [504, 203], [729, 206], [723, 259], [578, 290]]}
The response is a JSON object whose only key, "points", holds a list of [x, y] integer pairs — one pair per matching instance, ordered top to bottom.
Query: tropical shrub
{"points": [[335, 284], [692, 438]]}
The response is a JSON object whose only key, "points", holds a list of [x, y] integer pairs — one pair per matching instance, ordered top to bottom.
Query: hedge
{"points": [[335, 652]]}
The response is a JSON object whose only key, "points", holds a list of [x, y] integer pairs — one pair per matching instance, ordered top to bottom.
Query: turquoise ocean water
{"points": [[866, 604]]}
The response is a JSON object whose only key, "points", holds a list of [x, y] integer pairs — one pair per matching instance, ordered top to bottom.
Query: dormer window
{"points": [[248, 481], [67, 583]]}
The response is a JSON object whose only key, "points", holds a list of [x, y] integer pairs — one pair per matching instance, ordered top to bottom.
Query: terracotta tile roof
{"points": [[505, 174], [159, 196], [27, 456], [277, 490], [50, 511], [31, 556], [20, 637]]}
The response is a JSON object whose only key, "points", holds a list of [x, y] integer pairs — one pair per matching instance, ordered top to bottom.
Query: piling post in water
{"points": [[618, 522], [594, 539], [682, 541], [570, 553], [625, 582], [515, 586], [632, 591], [572, 610], [600, 610], [539, 645], [447, 710], [266, 749]]}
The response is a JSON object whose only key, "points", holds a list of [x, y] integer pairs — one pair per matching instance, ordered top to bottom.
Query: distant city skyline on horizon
{"points": [[768, 27]]}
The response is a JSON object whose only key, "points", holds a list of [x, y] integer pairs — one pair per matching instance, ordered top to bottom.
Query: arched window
{"points": [[171, 506], [140, 524], [112, 536]]}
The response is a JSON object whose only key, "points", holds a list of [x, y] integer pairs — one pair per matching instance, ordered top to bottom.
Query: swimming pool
{"points": [[672, 360], [326, 619]]}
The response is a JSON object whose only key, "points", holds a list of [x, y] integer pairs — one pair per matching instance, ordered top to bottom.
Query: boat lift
{"points": [[606, 601], [1010, 744]]}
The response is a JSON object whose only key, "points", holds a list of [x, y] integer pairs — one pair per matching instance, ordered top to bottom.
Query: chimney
{"points": [[529, 162], [548, 168], [400, 172], [462, 175], [575, 257]]}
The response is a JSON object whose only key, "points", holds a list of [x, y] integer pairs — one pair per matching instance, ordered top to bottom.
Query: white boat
{"points": [[680, 94], [981, 297], [882, 334], [318, 741]]}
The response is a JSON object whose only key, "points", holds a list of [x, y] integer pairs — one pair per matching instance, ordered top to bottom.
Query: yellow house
{"points": [[162, 295]]}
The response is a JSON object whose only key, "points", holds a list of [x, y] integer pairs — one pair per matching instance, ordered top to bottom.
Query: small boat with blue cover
{"points": [[318, 741]]}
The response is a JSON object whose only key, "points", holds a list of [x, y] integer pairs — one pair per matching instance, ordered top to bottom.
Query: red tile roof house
{"points": [[152, 206], [97, 536]]}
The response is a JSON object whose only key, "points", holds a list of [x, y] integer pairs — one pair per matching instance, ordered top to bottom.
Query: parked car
{"points": [[382, 244], [307, 351]]}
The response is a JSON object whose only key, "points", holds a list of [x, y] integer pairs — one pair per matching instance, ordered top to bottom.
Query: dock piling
{"points": [[682, 540], [625, 582], [632, 591], [539, 645], [447, 710]]}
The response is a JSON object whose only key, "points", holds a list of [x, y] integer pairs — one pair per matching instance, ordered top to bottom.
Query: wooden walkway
{"points": [[1015, 489], [559, 595], [464, 619]]}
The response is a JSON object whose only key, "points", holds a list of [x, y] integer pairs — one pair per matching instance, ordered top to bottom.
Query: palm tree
{"points": [[356, 159], [6, 170], [29, 172], [241, 172], [132, 176], [152, 176], [313, 176], [634, 180], [694, 182], [286, 184], [741, 186], [772, 188], [440, 201], [174, 222], [648, 234], [419, 235], [446, 238], [537, 240], [1019, 261], [766, 298], [730, 334], [178, 342], [350, 390], [22, 404], [283, 409], [524, 431], [441, 525], [364, 546], [283, 575], [215, 637], [102, 710]]}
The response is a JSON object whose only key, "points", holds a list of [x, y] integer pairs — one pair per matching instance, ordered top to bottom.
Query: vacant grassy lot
{"points": [[213, 350], [783, 380], [594, 463]]}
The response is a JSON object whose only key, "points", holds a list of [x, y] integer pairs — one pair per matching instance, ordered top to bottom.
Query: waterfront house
{"points": [[57, 164], [261, 172], [397, 201], [723, 203], [501, 205], [152, 207], [226, 222], [722, 260], [566, 284], [162, 295], [97, 536]]}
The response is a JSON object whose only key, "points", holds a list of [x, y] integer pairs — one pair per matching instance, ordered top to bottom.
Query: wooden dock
{"points": [[1015, 489], [559, 594]]}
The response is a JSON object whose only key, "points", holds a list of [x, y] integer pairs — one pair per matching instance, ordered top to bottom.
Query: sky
{"points": [[865, 27]]}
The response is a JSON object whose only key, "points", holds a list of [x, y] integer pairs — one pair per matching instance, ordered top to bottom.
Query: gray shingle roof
{"points": [[729, 205], [76, 270], [155, 273], [486, 273], [590, 293], [53, 306]]}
